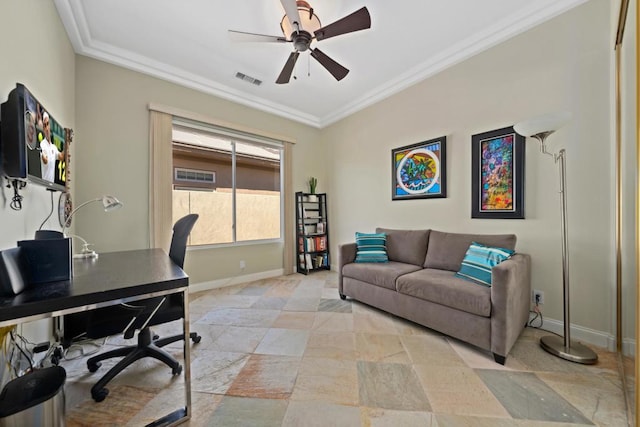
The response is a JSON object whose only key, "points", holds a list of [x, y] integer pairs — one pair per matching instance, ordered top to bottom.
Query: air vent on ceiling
{"points": [[248, 79]]}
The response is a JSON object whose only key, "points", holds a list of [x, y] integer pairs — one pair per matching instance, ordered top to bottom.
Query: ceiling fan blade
{"points": [[291, 10], [358, 20], [241, 36], [287, 70], [336, 70]]}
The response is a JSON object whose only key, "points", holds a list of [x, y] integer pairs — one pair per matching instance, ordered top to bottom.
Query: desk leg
{"points": [[187, 352], [181, 415]]}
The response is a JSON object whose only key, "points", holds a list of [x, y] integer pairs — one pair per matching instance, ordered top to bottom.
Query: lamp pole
{"points": [[540, 128], [562, 165], [67, 223]]}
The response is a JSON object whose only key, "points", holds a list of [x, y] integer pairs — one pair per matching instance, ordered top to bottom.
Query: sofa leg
{"points": [[343, 297], [499, 359]]}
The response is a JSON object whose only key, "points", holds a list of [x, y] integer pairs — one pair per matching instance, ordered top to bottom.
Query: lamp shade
{"points": [[308, 20], [543, 124], [110, 203]]}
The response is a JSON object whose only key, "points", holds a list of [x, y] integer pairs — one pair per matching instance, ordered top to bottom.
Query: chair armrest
{"points": [[346, 255], [510, 296]]}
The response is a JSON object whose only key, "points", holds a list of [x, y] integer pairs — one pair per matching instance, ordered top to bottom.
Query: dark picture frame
{"points": [[419, 171], [497, 174]]}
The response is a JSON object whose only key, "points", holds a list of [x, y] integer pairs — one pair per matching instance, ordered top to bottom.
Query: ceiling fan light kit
{"points": [[309, 21], [301, 26]]}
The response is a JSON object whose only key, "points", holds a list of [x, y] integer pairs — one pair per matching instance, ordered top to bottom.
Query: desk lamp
{"points": [[540, 128], [109, 203]]}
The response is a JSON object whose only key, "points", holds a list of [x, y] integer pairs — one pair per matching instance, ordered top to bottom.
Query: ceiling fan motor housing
{"points": [[301, 40]]}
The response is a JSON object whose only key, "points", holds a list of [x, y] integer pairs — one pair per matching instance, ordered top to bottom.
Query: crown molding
{"points": [[74, 20], [498, 33]]}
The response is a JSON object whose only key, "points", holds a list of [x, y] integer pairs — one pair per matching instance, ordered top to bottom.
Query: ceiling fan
{"points": [[301, 26]]}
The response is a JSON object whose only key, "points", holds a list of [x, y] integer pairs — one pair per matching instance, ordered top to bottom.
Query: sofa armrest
{"points": [[346, 255], [510, 296]]}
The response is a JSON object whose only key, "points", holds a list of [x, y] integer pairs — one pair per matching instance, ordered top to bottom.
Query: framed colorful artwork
{"points": [[419, 170], [497, 174]]}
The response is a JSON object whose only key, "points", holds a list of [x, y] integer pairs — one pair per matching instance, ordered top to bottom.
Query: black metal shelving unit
{"points": [[312, 233]]}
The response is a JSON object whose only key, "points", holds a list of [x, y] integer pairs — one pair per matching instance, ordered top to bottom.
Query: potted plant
{"points": [[313, 183]]}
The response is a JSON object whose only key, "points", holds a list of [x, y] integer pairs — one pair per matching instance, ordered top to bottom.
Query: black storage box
{"points": [[47, 260]]}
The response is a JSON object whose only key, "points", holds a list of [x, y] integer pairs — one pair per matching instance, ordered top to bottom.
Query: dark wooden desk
{"points": [[110, 279]]}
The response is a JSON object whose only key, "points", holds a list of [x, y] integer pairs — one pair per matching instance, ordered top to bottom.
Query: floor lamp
{"points": [[540, 128]]}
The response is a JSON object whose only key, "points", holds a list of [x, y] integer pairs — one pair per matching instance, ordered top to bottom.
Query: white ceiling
{"points": [[187, 42]]}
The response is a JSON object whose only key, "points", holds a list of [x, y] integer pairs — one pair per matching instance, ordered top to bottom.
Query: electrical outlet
{"points": [[242, 264], [537, 297]]}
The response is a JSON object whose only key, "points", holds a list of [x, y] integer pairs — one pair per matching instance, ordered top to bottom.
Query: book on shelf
{"points": [[315, 244]]}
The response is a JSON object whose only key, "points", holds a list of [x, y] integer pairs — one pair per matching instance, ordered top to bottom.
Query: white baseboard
{"points": [[235, 280], [590, 336], [629, 347]]}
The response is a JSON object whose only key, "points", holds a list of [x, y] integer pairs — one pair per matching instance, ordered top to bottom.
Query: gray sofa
{"points": [[419, 284]]}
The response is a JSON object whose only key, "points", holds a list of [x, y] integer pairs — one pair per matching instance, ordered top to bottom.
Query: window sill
{"points": [[235, 244]]}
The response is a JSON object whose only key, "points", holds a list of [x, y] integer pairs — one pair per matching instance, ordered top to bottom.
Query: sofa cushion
{"points": [[408, 246], [371, 247], [446, 250], [479, 260], [379, 274], [442, 287]]}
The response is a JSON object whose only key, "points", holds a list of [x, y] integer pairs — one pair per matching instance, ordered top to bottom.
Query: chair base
{"points": [[147, 347]]}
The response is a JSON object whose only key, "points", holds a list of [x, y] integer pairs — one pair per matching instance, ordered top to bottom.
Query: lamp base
{"points": [[86, 255], [576, 352]]}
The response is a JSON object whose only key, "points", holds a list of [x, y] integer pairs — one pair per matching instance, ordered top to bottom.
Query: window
{"points": [[190, 176], [232, 180]]}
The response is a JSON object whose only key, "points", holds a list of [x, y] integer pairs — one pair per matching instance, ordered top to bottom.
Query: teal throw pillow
{"points": [[371, 247], [479, 260]]}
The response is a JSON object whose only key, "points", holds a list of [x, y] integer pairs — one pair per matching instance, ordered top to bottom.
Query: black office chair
{"points": [[140, 315]]}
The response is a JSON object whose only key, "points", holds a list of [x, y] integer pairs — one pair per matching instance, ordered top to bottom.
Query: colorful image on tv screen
{"points": [[45, 143]]}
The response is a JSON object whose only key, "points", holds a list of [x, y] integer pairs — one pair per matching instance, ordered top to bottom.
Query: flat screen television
{"points": [[32, 142]]}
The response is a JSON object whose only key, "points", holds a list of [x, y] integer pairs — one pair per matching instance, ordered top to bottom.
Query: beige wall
{"points": [[35, 52], [43, 60], [563, 64], [112, 157]]}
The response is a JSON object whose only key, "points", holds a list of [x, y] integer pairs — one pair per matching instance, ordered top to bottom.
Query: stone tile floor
{"points": [[288, 352]]}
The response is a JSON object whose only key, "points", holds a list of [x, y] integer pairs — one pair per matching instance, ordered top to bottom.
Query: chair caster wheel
{"points": [[343, 297], [196, 339], [93, 366], [177, 370], [100, 395]]}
